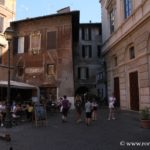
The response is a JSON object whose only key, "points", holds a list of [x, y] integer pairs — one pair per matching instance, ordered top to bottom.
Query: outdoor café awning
{"points": [[16, 84], [20, 85]]}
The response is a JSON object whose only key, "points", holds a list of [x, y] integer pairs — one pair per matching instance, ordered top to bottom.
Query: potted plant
{"points": [[145, 118]]}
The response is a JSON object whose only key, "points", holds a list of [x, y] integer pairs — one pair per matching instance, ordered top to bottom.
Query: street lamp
{"points": [[9, 32]]}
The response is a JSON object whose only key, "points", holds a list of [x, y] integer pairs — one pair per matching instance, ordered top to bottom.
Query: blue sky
{"points": [[89, 9]]}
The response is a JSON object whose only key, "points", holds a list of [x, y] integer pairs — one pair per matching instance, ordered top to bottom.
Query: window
{"points": [[127, 8], [112, 20], [1, 23], [86, 34], [51, 40], [35, 42], [26, 43], [20, 45], [86, 51], [99, 51], [132, 52], [0, 55], [115, 61], [50, 69], [83, 73], [100, 76]]}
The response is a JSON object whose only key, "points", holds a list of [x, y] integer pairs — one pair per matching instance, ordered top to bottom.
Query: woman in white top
{"points": [[111, 102]]}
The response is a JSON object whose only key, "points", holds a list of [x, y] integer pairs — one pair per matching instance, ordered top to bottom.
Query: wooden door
{"points": [[117, 91], [134, 91]]}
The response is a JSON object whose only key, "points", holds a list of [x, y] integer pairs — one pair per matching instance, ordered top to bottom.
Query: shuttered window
{"points": [[86, 33], [51, 40], [26, 43], [15, 45], [21, 45], [86, 51]]}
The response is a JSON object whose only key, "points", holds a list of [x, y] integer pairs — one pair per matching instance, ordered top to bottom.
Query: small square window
{"points": [[50, 69]]}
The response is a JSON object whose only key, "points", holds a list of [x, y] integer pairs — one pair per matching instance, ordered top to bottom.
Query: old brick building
{"points": [[43, 48]]}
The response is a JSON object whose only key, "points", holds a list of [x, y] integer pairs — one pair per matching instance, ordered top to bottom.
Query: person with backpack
{"points": [[78, 107], [65, 108]]}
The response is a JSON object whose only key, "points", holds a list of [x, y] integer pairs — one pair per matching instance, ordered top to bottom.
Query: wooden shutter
{"points": [[89, 32], [83, 33], [51, 40], [26, 43], [15, 45], [83, 51], [90, 51], [79, 73], [87, 73]]}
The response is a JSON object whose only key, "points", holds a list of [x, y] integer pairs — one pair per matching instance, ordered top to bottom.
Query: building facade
{"points": [[7, 14], [126, 46], [43, 48], [88, 58]]}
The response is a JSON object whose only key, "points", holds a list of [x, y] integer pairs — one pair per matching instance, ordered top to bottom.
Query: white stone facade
{"points": [[131, 32]]}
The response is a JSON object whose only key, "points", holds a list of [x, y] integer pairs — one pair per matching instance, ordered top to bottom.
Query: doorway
{"points": [[117, 91], [134, 91]]}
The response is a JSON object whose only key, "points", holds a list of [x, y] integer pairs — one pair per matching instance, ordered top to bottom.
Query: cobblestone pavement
{"points": [[100, 135]]}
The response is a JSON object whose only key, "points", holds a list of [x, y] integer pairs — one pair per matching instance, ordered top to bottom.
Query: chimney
{"points": [[63, 10]]}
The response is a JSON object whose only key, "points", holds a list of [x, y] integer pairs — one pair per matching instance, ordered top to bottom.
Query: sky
{"points": [[89, 9]]}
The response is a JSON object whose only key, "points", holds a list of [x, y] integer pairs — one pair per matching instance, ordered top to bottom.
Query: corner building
{"points": [[126, 47], [43, 48]]}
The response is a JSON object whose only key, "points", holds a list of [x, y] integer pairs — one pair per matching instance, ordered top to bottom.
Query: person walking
{"points": [[111, 102], [78, 107], [65, 108], [94, 109], [88, 112]]}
